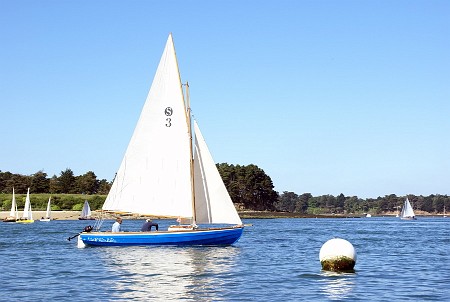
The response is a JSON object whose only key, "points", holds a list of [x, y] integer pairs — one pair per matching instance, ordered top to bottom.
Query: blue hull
{"points": [[222, 236]]}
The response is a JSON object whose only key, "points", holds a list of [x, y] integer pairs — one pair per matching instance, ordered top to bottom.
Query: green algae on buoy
{"points": [[337, 255]]}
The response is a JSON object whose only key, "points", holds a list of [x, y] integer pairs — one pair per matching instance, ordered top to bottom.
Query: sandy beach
{"points": [[57, 215], [72, 215]]}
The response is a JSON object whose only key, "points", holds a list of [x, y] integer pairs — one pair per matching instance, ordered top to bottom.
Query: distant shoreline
{"points": [[57, 215], [73, 215], [269, 215]]}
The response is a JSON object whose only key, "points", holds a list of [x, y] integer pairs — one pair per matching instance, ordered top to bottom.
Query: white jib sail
{"points": [[154, 176], [213, 204], [49, 209], [407, 210], [86, 211], [13, 212], [27, 214]]}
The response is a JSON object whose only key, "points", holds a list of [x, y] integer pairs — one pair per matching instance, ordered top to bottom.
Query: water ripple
{"points": [[276, 259]]}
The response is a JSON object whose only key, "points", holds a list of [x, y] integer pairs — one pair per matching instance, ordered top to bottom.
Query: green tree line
{"points": [[65, 183], [249, 186], [70, 202], [329, 204]]}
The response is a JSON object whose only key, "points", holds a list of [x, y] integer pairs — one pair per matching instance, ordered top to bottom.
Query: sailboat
{"points": [[168, 172], [407, 211], [86, 212], [444, 212], [27, 213], [48, 213], [13, 214]]}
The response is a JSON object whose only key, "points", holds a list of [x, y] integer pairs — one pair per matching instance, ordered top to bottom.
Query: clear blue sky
{"points": [[326, 97]]}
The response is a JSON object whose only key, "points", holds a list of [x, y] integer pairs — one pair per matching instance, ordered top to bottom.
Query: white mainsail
{"points": [[154, 176], [213, 204], [49, 209], [407, 210], [86, 211], [13, 212], [27, 213]]}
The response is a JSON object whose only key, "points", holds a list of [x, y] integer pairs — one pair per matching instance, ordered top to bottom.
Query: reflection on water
{"points": [[275, 260], [169, 273], [337, 286]]}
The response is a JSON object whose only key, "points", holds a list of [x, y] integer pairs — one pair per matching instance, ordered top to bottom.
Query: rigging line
{"points": [[98, 223]]}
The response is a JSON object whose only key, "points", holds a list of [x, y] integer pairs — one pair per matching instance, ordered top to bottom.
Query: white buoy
{"points": [[80, 243], [337, 255]]}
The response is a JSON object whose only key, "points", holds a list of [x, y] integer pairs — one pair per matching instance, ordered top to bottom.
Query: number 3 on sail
{"points": [[168, 171]]}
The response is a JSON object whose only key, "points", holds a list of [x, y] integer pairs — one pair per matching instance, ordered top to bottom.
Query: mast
{"points": [[191, 155]]}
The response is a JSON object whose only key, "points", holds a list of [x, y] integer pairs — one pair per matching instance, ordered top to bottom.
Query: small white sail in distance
{"points": [[49, 209], [407, 210], [86, 211], [13, 212], [27, 213]]}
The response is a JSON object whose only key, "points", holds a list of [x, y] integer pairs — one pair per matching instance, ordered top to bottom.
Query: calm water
{"points": [[276, 260]]}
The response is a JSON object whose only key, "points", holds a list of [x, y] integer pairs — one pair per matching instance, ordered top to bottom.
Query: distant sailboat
{"points": [[168, 171], [407, 211], [86, 212], [444, 212], [27, 213], [13, 214], [48, 214]]}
